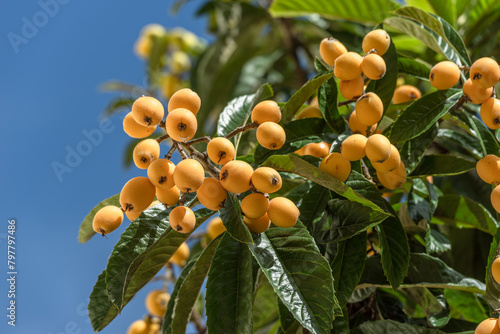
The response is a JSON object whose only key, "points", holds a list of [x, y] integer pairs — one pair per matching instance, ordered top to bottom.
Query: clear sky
{"points": [[50, 97]]}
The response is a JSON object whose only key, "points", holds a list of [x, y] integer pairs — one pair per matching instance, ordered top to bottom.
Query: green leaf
{"points": [[445, 9], [356, 10], [414, 68], [118, 86], [385, 86], [303, 94], [327, 98], [117, 104], [234, 114], [422, 114], [463, 140], [487, 140], [414, 149], [296, 165], [440, 165], [313, 204], [463, 212], [233, 220], [86, 231], [436, 242], [348, 265], [424, 271], [299, 274], [492, 287], [230, 288], [187, 289], [265, 305], [434, 305], [465, 305], [101, 310], [288, 324], [391, 326]]}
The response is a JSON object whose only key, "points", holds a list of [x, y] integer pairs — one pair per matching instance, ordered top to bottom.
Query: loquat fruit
{"points": [[377, 39], [330, 49], [180, 62], [348, 66], [373, 66], [485, 72], [444, 75], [169, 85], [352, 89], [405, 93], [476, 95], [185, 98], [314, 102], [369, 109], [147, 111], [266, 111], [309, 112], [490, 113], [181, 124], [357, 127], [134, 129], [271, 135], [353, 147], [378, 148], [221, 150], [318, 150], [145, 152], [391, 163], [336, 165], [488, 169], [161, 173], [189, 175], [236, 176], [393, 179], [266, 180], [137, 194], [211, 194], [168, 196], [495, 198], [254, 205], [283, 212], [135, 215], [107, 219], [182, 219], [258, 225], [215, 227], [181, 255], [495, 270], [156, 302], [488, 326], [138, 327]]}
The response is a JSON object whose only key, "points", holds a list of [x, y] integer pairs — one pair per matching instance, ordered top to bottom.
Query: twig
{"points": [[370, 52], [464, 68], [460, 102], [344, 103], [161, 125], [241, 129], [162, 138], [198, 140], [181, 150], [170, 152], [203, 159], [366, 172], [183, 199]]}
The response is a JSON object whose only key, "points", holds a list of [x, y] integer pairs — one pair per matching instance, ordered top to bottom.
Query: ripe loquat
{"points": [[377, 39], [330, 49], [348, 66], [373, 66], [485, 72], [444, 75], [352, 89], [406, 93], [476, 95], [185, 98], [369, 109], [147, 111], [266, 111], [309, 112], [490, 113], [181, 124], [357, 127], [134, 129], [271, 135], [353, 147], [378, 148], [220, 150], [318, 150], [145, 152], [391, 163], [336, 165], [488, 169], [161, 173], [189, 175], [236, 176], [394, 178], [266, 180], [137, 194], [211, 194], [169, 197], [495, 198], [254, 205], [283, 212], [134, 216], [107, 219], [182, 219], [258, 225], [215, 227], [181, 255], [495, 270], [156, 302], [488, 326], [138, 327]]}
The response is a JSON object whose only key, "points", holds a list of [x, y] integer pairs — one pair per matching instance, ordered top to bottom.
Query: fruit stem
{"points": [[344, 103], [162, 125], [241, 129], [162, 138], [198, 140], [180, 149], [170, 152], [203, 159], [366, 172], [183, 199]]}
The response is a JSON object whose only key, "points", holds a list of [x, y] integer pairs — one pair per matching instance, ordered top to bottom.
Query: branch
{"points": [[344, 103], [241, 129], [162, 138], [198, 140], [180, 149], [170, 152], [203, 159], [366, 172]]}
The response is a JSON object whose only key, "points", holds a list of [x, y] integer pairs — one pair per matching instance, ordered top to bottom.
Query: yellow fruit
{"points": [[153, 30], [377, 39], [142, 47], [330, 49], [180, 62], [348, 66], [373, 66], [485, 73], [444, 75], [170, 84], [352, 89], [406, 93], [476, 95], [185, 98], [314, 102], [369, 109], [147, 111], [266, 111], [309, 112], [490, 113], [181, 124], [357, 127], [134, 129], [271, 135], [353, 147], [378, 148], [221, 150], [318, 150], [145, 152], [392, 163], [336, 165], [488, 169], [161, 173], [189, 175], [236, 176], [393, 179], [266, 180], [137, 194], [211, 194], [168, 196], [495, 198], [254, 205], [283, 212], [134, 216], [107, 219], [182, 219], [258, 225], [215, 227], [181, 255], [495, 270], [156, 302], [488, 326], [138, 327]]}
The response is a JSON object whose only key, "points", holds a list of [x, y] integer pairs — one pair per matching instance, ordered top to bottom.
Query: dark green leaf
{"points": [[413, 67], [327, 98], [117, 104], [234, 114], [422, 114], [486, 138], [464, 140], [414, 149], [440, 165], [313, 204], [233, 221], [86, 231], [436, 242], [299, 274], [230, 288], [187, 289], [265, 305], [434, 305], [465, 305], [101, 310], [288, 324], [391, 326]]}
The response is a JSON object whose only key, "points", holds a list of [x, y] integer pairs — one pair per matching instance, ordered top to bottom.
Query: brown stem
{"points": [[370, 52], [464, 68], [460, 102], [344, 103], [161, 125], [241, 129], [162, 138], [198, 140], [181, 150], [170, 152], [203, 159], [366, 172], [183, 199]]}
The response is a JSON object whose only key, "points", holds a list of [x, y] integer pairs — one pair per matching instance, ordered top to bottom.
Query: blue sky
{"points": [[50, 97]]}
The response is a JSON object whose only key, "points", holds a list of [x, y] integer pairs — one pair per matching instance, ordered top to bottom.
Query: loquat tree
{"points": [[319, 167]]}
